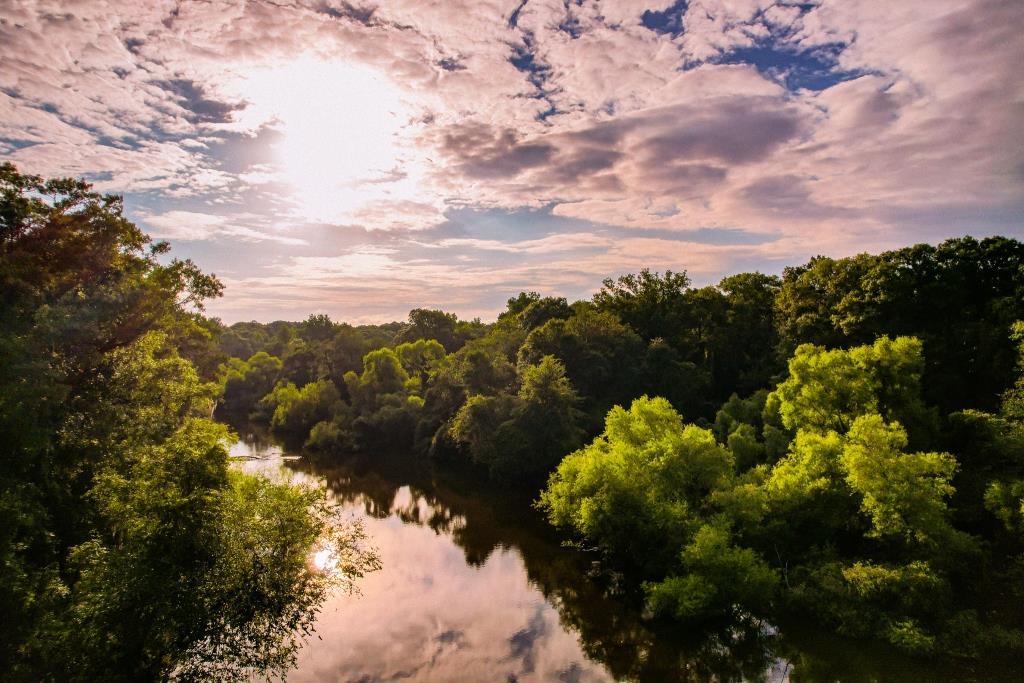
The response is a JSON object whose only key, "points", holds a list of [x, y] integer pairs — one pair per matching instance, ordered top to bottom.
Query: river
{"points": [[476, 587]]}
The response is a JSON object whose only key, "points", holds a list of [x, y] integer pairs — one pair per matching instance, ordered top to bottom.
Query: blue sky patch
{"points": [[668, 20], [814, 69]]}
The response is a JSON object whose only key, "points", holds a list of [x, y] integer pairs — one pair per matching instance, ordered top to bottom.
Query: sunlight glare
{"points": [[342, 127], [325, 560]]}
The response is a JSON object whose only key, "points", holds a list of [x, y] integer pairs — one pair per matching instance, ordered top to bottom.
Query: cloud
{"points": [[821, 127], [482, 153], [194, 226], [546, 245]]}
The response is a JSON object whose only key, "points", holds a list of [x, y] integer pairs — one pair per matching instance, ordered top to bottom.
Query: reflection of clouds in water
{"points": [[252, 444], [254, 455], [272, 467], [416, 509], [454, 601], [429, 616], [523, 641]]}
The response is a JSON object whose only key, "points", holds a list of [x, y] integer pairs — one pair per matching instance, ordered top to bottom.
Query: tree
{"points": [[978, 285], [810, 297], [651, 304], [543, 310], [431, 324], [317, 328], [342, 353], [600, 354], [746, 356], [419, 357], [382, 374], [246, 382], [828, 390], [297, 410], [546, 415], [522, 437], [635, 492], [904, 493], [130, 550], [719, 577]]}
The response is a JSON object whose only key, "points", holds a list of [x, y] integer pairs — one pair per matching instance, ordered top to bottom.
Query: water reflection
{"points": [[475, 586]]}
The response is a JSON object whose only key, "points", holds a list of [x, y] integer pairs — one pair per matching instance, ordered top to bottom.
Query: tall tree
{"points": [[130, 550]]}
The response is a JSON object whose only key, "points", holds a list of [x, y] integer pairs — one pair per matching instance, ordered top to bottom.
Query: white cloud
{"points": [[196, 226]]}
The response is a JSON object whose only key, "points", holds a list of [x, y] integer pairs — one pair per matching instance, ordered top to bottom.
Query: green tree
{"points": [[959, 298], [653, 305], [542, 310], [431, 324], [317, 328], [342, 353], [419, 357], [601, 357], [382, 374], [246, 382], [828, 390], [297, 410], [522, 437], [636, 491], [904, 493], [129, 550], [719, 577]]}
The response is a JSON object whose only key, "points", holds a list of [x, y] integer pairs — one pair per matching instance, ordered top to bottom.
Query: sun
{"points": [[344, 130]]}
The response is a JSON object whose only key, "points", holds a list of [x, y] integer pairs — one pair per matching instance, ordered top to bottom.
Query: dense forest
{"points": [[844, 442]]}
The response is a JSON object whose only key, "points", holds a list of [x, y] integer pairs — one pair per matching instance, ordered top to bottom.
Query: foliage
{"points": [[959, 298], [650, 303], [444, 328], [598, 352], [419, 357], [382, 374], [246, 382], [828, 390], [297, 410], [522, 436], [635, 491], [904, 493], [857, 529], [130, 550], [718, 577]]}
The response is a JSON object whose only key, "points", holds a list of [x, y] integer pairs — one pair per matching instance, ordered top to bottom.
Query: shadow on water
{"points": [[482, 518]]}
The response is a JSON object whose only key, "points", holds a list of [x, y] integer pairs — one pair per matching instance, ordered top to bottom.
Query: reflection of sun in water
{"points": [[341, 128], [325, 560]]}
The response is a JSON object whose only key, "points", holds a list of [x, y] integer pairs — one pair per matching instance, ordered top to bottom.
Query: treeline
{"points": [[643, 333], [844, 441], [129, 549]]}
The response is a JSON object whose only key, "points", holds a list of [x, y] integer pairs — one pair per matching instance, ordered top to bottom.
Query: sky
{"points": [[363, 159]]}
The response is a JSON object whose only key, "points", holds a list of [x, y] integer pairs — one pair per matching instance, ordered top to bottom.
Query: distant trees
{"points": [[959, 298], [653, 305], [442, 327], [725, 334], [599, 353], [246, 382], [295, 410], [522, 436]]}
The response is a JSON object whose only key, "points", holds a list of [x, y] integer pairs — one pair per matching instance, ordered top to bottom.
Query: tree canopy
{"points": [[131, 550]]}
